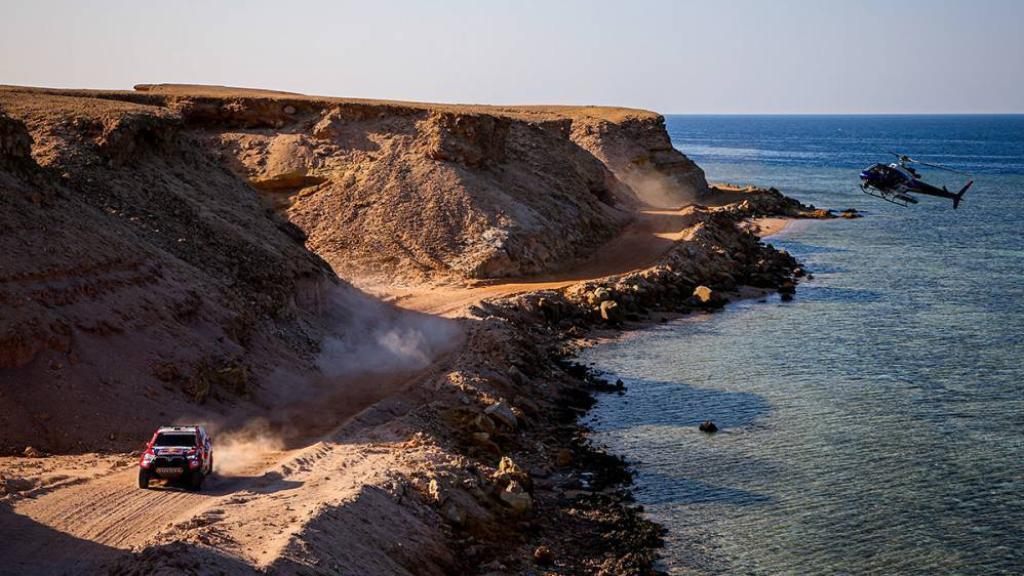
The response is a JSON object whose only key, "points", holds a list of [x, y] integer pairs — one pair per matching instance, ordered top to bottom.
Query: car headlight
{"points": [[147, 458]]}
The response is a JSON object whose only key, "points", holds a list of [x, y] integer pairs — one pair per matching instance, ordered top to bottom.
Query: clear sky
{"points": [[708, 56]]}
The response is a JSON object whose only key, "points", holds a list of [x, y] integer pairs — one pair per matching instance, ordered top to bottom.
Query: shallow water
{"points": [[876, 424]]}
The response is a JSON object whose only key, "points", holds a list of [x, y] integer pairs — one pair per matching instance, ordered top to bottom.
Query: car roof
{"points": [[163, 429]]}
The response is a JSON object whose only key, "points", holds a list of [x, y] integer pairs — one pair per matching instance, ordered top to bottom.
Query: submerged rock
{"points": [[708, 427]]}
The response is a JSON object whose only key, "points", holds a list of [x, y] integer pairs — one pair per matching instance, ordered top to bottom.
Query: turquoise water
{"points": [[875, 425]]}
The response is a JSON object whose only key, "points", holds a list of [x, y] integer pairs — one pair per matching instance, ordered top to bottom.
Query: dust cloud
{"points": [[659, 191], [371, 337], [371, 350], [238, 450]]}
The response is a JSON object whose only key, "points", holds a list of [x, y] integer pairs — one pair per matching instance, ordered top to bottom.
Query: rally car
{"points": [[182, 453]]}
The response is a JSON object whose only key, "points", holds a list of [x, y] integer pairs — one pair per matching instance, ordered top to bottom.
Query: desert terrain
{"points": [[373, 306]]}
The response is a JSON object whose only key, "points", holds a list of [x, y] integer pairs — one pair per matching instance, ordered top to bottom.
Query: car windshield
{"points": [[167, 439]]}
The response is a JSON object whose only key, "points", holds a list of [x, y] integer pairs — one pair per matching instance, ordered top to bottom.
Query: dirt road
{"points": [[639, 246], [85, 510]]}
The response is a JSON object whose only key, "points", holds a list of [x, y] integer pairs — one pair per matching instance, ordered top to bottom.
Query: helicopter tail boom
{"points": [[959, 195]]}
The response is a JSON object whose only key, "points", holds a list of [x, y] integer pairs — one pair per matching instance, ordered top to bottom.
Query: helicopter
{"points": [[897, 181]]}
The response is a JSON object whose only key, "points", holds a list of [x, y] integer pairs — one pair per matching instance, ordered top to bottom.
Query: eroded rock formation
{"points": [[175, 244]]}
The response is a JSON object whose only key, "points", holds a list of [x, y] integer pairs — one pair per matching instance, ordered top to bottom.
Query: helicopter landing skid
{"points": [[897, 199]]}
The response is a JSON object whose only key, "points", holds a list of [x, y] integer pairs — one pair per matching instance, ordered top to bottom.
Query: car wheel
{"points": [[144, 479], [195, 482]]}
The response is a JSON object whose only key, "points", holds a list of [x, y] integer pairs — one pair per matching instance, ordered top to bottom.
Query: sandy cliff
{"points": [[638, 150], [175, 243], [186, 253], [138, 275]]}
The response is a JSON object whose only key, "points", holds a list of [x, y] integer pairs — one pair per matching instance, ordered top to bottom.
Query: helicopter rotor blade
{"points": [[900, 157], [909, 160], [941, 167]]}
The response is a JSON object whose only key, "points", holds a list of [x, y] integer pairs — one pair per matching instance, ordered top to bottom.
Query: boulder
{"points": [[817, 213], [787, 287], [704, 297], [550, 310], [611, 312], [517, 375], [503, 413], [484, 423], [708, 427], [483, 440], [509, 471], [15, 485], [434, 490], [516, 498], [543, 556]]}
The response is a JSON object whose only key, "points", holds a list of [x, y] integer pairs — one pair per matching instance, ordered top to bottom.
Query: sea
{"points": [[875, 424]]}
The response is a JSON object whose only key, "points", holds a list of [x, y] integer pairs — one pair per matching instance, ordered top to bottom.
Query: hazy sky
{"points": [[709, 56]]}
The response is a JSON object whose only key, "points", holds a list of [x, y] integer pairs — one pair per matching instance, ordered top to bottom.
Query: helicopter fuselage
{"points": [[894, 182]]}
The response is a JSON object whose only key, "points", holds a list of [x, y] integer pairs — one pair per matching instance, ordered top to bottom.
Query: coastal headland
{"points": [[374, 306]]}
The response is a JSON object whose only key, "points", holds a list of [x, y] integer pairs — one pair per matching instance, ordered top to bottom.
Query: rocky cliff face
{"points": [[639, 152], [420, 195], [171, 247], [138, 276]]}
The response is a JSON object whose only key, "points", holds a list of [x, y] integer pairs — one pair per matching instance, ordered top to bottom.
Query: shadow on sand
{"points": [[223, 485]]}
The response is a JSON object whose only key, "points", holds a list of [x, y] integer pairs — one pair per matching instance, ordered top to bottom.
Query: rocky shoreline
{"points": [[590, 523]]}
